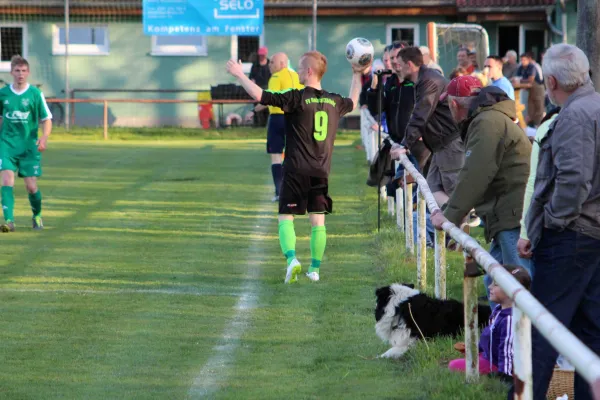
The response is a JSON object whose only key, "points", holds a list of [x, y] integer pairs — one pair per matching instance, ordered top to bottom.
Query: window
{"points": [[406, 32], [522, 38], [86, 40], [13, 41], [179, 46], [245, 48]]}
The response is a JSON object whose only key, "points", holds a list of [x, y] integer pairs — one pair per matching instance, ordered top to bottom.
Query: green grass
{"points": [[170, 133], [148, 246]]}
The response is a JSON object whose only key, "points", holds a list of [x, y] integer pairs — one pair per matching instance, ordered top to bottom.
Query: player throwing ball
{"points": [[23, 108], [311, 120]]}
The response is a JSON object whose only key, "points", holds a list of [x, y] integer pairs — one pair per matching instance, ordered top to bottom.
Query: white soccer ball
{"points": [[360, 52]]}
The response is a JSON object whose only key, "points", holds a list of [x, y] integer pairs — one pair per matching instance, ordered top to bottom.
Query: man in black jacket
{"points": [[260, 74], [391, 96], [397, 103], [431, 122]]}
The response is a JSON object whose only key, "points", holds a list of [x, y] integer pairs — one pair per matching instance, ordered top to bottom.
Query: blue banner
{"points": [[203, 17]]}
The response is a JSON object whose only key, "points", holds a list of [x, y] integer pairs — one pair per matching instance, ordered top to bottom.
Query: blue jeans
{"points": [[504, 250], [567, 283]]}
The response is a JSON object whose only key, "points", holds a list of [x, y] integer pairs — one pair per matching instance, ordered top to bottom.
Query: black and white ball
{"points": [[360, 52]]}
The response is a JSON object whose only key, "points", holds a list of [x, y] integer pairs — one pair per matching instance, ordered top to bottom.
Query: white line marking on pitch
{"points": [[214, 372]]}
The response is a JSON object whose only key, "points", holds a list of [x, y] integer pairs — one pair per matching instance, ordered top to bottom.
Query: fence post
{"points": [[105, 120], [374, 144], [390, 202], [399, 205], [408, 214], [421, 242], [440, 264], [471, 320], [522, 372]]}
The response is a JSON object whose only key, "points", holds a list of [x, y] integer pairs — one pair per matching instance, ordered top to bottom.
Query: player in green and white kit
{"points": [[23, 109]]}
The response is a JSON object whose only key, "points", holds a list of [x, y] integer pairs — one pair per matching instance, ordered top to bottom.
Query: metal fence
{"points": [[526, 310]]}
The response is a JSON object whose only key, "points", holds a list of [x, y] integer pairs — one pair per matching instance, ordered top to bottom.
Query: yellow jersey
{"points": [[282, 80]]}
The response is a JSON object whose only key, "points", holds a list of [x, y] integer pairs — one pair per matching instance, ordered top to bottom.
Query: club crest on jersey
{"points": [[25, 102]]}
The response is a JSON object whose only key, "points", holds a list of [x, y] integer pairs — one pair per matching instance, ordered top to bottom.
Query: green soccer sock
{"points": [[8, 203], [36, 203], [287, 239], [318, 241]]}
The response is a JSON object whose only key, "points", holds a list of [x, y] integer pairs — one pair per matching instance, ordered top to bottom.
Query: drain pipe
{"points": [[550, 23]]}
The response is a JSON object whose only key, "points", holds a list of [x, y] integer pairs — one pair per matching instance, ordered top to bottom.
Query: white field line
{"points": [[170, 292], [214, 372]]}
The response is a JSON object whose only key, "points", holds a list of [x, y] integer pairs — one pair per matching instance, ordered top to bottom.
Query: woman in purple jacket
{"points": [[496, 342]]}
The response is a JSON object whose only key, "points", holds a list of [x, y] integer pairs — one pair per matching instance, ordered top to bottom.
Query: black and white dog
{"points": [[401, 311]]}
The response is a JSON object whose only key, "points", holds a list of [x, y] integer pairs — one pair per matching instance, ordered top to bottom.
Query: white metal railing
{"points": [[526, 307]]}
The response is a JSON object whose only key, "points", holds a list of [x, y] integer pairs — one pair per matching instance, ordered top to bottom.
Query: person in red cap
{"points": [[260, 73], [496, 168]]}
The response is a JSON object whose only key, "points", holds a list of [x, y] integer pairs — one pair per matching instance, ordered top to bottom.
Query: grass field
{"points": [[159, 276]]}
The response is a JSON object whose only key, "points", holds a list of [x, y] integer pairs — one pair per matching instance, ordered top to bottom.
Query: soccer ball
{"points": [[360, 52]]}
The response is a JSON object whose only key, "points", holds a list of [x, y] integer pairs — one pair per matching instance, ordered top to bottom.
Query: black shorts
{"points": [[276, 134], [300, 193]]}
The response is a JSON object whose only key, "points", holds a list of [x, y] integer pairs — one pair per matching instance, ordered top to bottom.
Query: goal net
{"points": [[445, 40]]}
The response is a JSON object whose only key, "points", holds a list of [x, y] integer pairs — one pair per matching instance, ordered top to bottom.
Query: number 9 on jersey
{"points": [[321, 122]]}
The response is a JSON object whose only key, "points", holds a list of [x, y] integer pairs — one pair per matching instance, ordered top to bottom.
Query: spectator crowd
{"points": [[529, 177]]}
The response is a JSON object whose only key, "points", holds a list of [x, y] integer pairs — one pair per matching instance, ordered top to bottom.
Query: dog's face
{"points": [[383, 295]]}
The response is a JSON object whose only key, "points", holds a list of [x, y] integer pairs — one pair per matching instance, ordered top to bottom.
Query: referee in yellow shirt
{"points": [[282, 78]]}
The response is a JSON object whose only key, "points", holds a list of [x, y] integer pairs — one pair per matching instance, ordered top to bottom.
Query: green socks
{"points": [[8, 203], [36, 203], [287, 239], [318, 240]]}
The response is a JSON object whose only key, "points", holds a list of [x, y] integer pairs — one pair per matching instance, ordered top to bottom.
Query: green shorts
{"points": [[28, 161]]}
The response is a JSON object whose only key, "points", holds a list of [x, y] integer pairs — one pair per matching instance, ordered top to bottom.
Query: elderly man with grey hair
{"points": [[428, 62], [510, 64], [563, 221]]}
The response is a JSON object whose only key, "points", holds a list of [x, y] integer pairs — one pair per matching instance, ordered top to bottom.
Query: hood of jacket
{"points": [[489, 98]]}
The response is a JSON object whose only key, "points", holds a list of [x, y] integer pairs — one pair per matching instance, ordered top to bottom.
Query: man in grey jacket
{"points": [[563, 221]]}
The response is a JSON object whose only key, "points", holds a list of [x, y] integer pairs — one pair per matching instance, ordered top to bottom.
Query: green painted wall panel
{"points": [[130, 64]]}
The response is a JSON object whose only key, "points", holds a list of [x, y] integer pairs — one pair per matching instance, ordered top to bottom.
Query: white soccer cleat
{"points": [[275, 199], [293, 270], [313, 276]]}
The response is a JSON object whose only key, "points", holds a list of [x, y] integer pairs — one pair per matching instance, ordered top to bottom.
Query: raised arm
{"points": [[235, 69], [355, 88]]}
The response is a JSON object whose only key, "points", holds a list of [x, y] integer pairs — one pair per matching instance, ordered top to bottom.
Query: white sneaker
{"points": [[275, 199], [293, 270], [313, 276]]}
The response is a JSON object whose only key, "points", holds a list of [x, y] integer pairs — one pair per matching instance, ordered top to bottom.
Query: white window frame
{"points": [[414, 27], [80, 49], [172, 50], [234, 50], [5, 65]]}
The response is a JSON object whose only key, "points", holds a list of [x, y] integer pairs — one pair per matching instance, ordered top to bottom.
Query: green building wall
{"points": [[131, 66]]}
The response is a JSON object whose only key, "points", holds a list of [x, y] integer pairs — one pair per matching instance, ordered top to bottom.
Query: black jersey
{"points": [[311, 121]]}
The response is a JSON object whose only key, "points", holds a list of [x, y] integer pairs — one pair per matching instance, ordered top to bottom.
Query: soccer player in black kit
{"points": [[311, 120]]}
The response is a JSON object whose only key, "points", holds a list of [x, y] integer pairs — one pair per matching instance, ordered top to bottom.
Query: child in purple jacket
{"points": [[496, 341]]}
